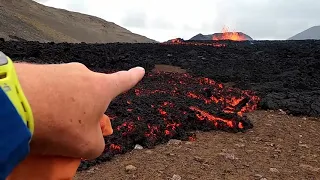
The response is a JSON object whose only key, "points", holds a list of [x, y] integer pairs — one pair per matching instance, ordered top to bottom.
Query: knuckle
{"points": [[78, 65]]}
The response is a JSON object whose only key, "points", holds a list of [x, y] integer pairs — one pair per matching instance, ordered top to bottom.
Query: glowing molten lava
{"points": [[227, 35], [179, 41], [168, 105], [171, 105]]}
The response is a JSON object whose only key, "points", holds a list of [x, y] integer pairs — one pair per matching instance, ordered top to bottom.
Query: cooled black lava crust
{"points": [[284, 74]]}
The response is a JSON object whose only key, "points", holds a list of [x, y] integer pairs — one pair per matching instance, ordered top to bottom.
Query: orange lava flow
{"points": [[179, 41], [174, 104], [203, 114]]}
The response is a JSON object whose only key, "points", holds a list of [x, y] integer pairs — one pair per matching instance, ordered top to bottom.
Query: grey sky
{"points": [[165, 19]]}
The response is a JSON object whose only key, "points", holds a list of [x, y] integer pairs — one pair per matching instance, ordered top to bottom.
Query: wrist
{"points": [[27, 75], [37, 89]]}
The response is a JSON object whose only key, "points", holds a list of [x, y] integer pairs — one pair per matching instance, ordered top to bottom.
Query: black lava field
{"points": [[224, 80]]}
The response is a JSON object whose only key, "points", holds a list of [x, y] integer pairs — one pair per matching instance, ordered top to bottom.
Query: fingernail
{"points": [[137, 68]]}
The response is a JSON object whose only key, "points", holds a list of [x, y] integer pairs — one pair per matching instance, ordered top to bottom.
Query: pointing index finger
{"points": [[122, 81]]}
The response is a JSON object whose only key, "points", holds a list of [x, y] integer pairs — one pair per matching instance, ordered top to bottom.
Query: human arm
{"points": [[54, 91], [67, 101], [15, 136]]}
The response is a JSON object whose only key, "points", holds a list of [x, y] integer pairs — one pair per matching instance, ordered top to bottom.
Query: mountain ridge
{"points": [[32, 21], [310, 33]]}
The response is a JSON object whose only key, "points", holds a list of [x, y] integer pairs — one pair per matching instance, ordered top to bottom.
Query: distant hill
{"points": [[29, 20], [311, 33], [219, 36], [201, 37]]}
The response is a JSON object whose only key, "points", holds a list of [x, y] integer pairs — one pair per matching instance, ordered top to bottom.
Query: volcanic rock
{"points": [[174, 40], [174, 142], [240, 145], [138, 146], [230, 156], [198, 159], [309, 167], [130, 168], [274, 170], [258, 176], [176, 177]]}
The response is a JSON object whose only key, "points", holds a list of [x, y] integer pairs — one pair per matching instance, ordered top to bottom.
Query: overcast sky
{"points": [[166, 19]]}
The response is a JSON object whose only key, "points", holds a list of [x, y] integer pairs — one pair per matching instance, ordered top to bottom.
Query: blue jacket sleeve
{"points": [[14, 137]]}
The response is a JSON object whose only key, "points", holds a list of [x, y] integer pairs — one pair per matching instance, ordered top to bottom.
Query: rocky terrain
{"points": [[31, 21], [212, 88]]}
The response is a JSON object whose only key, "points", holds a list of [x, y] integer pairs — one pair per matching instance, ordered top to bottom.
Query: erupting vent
{"points": [[228, 35], [215, 40], [171, 105]]}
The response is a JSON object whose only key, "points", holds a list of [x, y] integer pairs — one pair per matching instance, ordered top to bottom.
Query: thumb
{"points": [[122, 81], [106, 126]]}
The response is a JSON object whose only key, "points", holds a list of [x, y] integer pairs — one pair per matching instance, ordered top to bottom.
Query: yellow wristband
{"points": [[9, 82]]}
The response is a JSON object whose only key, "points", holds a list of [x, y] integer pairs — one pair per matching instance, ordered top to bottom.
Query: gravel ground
{"points": [[278, 147]]}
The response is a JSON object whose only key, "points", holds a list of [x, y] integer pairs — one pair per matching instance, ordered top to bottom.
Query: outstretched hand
{"points": [[68, 101]]}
